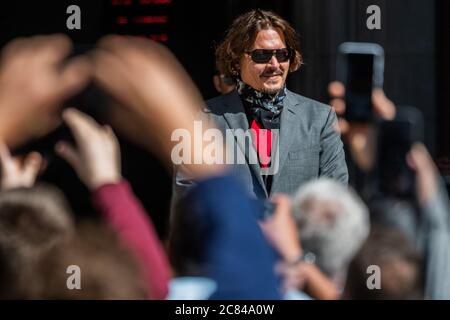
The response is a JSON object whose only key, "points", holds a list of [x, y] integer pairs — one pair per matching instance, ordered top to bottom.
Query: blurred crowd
{"points": [[326, 241]]}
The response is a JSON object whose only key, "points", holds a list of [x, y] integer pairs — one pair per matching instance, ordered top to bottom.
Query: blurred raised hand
{"points": [[35, 79], [155, 95], [360, 137], [96, 156], [18, 172], [427, 174], [280, 229]]}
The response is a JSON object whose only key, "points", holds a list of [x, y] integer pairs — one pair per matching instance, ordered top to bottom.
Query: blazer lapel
{"points": [[235, 117], [288, 132]]}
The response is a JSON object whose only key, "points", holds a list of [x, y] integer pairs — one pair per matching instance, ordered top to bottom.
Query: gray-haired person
{"points": [[333, 224]]}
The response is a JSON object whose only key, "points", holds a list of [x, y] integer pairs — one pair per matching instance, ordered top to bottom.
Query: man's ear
{"points": [[236, 70]]}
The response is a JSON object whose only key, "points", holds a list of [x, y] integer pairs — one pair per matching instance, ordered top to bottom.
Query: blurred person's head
{"points": [[262, 70], [33, 219], [32, 222], [333, 224], [39, 241], [400, 267], [107, 269]]}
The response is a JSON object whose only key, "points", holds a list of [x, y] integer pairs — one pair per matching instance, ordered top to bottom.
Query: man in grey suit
{"points": [[259, 51]]}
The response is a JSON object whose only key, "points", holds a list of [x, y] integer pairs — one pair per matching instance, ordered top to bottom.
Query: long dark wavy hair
{"points": [[242, 34]]}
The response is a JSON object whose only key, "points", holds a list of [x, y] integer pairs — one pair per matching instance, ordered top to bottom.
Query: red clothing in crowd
{"points": [[123, 211]]}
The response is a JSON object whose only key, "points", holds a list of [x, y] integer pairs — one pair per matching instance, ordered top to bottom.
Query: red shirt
{"points": [[263, 143]]}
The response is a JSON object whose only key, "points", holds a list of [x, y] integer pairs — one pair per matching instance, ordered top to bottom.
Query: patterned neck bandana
{"points": [[265, 108]]}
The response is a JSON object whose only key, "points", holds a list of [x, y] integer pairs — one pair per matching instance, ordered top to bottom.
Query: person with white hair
{"points": [[333, 223], [317, 233]]}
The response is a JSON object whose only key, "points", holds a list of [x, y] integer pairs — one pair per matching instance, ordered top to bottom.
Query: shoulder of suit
{"points": [[309, 104], [216, 105]]}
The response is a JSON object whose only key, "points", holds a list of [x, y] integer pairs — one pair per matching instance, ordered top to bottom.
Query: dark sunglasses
{"points": [[264, 55]]}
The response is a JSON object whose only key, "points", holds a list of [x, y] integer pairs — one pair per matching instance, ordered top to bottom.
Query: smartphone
{"points": [[360, 67], [395, 139]]}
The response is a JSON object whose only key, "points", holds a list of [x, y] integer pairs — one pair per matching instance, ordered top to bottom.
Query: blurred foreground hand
{"points": [[35, 80], [155, 95], [360, 137], [96, 157], [17, 172], [426, 173]]}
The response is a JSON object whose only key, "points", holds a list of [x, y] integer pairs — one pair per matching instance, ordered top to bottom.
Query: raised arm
{"points": [[96, 159]]}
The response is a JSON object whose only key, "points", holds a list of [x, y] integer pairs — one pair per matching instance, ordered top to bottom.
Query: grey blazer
{"points": [[309, 147]]}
